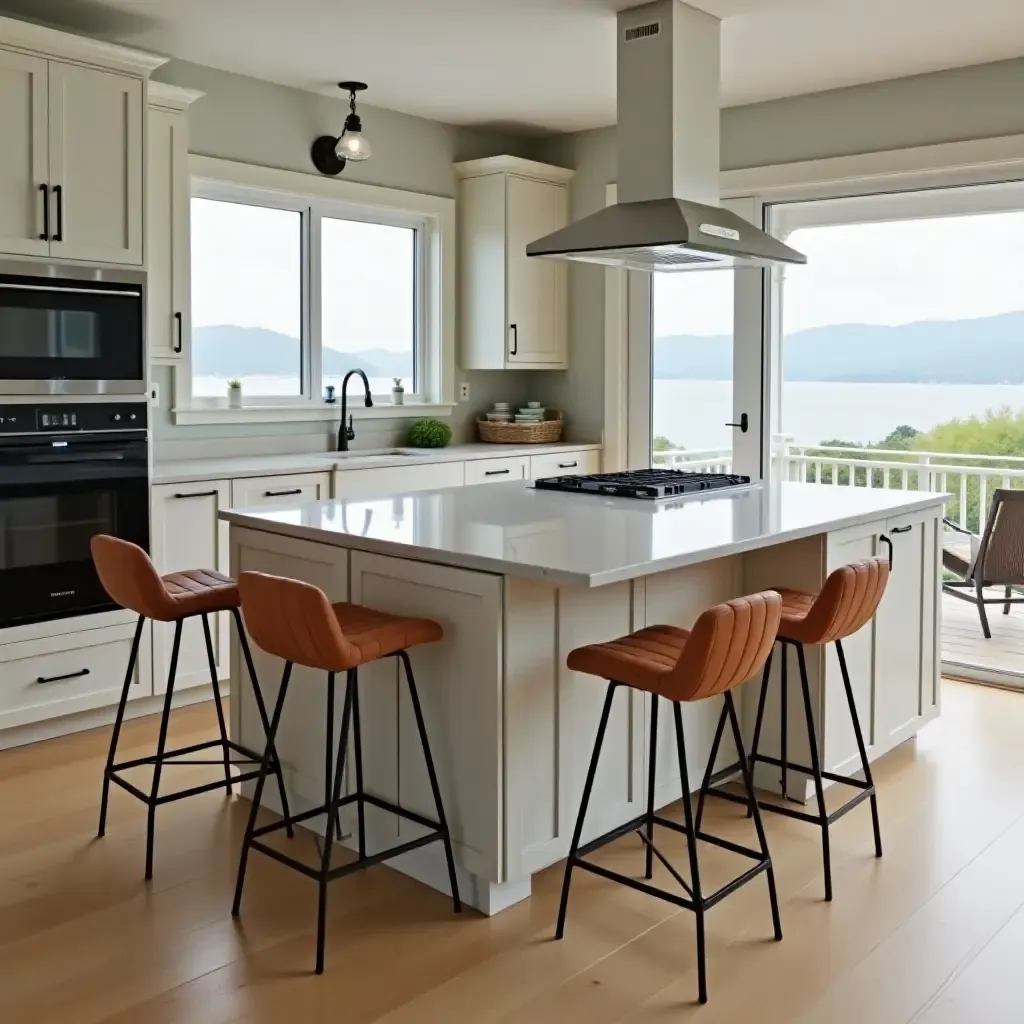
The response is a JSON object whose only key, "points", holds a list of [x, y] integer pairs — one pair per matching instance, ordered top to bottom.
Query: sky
{"points": [[898, 272]]}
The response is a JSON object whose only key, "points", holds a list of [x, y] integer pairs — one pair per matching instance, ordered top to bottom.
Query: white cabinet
{"points": [[72, 121], [167, 220], [513, 309], [565, 464], [496, 471], [376, 483], [253, 492], [186, 534]]}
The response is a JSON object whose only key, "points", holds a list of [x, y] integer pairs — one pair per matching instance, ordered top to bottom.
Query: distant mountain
{"points": [[227, 350], [989, 350]]}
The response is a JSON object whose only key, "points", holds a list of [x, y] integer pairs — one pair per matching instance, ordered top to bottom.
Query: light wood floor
{"points": [[963, 642], [933, 933]]}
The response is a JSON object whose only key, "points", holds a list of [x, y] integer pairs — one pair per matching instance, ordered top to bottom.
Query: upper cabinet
{"points": [[72, 120], [167, 220], [512, 308]]}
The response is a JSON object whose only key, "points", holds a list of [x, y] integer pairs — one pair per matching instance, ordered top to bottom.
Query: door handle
{"points": [[58, 191], [45, 236], [178, 319], [515, 340], [743, 424], [568, 465], [497, 472], [197, 494], [281, 494], [902, 529], [885, 540], [67, 675]]}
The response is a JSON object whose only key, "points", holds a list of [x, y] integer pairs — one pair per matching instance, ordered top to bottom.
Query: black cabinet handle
{"points": [[58, 191], [45, 236], [515, 340], [177, 343], [743, 424], [568, 465], [497, 472], [198, 494], [281, 494], [902, 529], [885, 540], [67, 675]]}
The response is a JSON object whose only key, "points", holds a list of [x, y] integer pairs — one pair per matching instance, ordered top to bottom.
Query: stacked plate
{"points": [[501, 413], [533, 413]]}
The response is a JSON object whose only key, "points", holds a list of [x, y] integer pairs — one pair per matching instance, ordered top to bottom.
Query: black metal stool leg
{"points": [[264, 717], [118, 719], [784, 720], [759, 721], [221, 724], [357, 735], [161, 746], [861, 749], [265, 767], [710, 770], [651, 771], [432, 775], [748, 783], [819, 792], [333, 796], [584, 802], [333, 815], [691, 846]]}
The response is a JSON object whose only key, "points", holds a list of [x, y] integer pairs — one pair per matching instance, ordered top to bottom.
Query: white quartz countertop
{"points": [[187, 471], [589, 541]]}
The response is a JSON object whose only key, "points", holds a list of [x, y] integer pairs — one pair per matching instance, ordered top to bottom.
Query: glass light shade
{"points": [[353, 146]]}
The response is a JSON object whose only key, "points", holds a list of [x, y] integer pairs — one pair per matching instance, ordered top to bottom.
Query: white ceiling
{"points": [[541, 64]]}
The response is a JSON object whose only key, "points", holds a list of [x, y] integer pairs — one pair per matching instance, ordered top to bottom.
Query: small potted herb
{"points": [[397, 392], [234, 393], [429, 434]]}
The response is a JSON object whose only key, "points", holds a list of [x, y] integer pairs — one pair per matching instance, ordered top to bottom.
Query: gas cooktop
{"points": [[649, 484]]}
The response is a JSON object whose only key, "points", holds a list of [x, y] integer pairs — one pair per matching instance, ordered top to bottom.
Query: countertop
{"points": [[186, 471], [513, 529]]}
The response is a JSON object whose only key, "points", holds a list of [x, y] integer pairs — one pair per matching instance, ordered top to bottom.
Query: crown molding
{"points": [[171, 97], [514, 165]]}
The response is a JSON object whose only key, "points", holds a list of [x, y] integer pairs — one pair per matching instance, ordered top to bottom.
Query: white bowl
{"points": [[534, 405], [501, 406]]}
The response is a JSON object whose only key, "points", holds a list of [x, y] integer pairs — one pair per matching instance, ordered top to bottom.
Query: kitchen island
{"points": [[519, 577]]}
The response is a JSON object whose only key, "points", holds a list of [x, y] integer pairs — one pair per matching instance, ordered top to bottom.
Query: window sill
{"points": [[200, 415]]}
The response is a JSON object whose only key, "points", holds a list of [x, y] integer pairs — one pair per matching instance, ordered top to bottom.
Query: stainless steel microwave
{"points": [[67, 330]]}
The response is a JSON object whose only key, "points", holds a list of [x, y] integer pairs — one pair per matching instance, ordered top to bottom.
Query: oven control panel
{"points": [[72, 416]]}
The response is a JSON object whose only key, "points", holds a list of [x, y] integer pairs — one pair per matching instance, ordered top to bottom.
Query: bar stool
{"points": [[131, 580], [847, 601], [295, 622], [727, 645]]}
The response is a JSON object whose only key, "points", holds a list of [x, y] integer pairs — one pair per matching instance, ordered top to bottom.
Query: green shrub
{"points": [[430, 434]]}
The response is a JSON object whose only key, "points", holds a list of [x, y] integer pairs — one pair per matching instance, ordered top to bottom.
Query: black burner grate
{"points": [[649, 484]]}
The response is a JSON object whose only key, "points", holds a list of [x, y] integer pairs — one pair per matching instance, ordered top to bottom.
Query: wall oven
{"points": [[71, 330], [67, 472]]}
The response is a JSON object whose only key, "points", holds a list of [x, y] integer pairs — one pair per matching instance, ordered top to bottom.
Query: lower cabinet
{"points": [[565, 464], [496, 471], [381, 483], [254, 492], [186, 534]]}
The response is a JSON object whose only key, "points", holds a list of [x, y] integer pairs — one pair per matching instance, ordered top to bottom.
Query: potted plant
{"points": [[397, 392], [234, 393], [429, 434]]}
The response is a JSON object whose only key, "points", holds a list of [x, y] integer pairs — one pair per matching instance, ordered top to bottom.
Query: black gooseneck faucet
{"points": [[346, 432]]}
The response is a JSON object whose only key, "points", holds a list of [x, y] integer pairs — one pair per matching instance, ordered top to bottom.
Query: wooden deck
{"points": [[965, 646]]}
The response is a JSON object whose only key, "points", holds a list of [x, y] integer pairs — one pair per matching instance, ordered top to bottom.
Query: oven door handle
{"points": [[15, 286]]}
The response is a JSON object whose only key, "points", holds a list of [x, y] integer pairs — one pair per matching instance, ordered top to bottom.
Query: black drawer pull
{"points": [[58, 191], [45, 236], [177, 342], [568, 465], [497, 472], [198, 494], [281, 494], [902, 529], [888, 543], [67, 675]]}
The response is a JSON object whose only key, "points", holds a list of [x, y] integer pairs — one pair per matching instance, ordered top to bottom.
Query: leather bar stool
{"points": [[131, 580], [846, 603], [295, 622], [728, 644]]}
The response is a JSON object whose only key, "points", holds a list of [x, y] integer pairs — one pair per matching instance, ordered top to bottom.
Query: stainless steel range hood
{"points": [[667, 217]]}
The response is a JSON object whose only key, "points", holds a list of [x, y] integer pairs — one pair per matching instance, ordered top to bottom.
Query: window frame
{"points": [[316, 198]]}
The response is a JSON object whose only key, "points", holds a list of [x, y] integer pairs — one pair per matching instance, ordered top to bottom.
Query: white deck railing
{"points": [[970, 478]]}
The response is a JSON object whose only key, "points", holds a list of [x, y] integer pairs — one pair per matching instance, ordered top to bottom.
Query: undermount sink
{"points": [[376, 453]]}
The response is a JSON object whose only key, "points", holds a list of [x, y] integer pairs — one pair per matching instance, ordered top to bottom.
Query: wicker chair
{"points": [[998, 560]]}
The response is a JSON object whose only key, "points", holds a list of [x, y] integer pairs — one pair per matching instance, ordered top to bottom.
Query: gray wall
{"points": [[985, 101], [256, 122]]}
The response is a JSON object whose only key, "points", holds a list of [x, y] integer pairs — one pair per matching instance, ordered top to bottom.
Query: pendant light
{"points": [[330, 154]]}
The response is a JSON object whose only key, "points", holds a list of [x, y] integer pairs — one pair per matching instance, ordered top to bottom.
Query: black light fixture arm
{"points": [[324, 149]]}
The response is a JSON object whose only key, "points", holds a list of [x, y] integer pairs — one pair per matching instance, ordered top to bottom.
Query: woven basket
{"points": [[548, 431]]}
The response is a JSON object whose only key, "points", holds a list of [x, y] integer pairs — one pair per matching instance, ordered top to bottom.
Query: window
{"points": [[297, 280], [246, 299]]}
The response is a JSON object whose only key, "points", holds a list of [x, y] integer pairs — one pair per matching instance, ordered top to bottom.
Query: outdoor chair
{"points": [[996, 558]]}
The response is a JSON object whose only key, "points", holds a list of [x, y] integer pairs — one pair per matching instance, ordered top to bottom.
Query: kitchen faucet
{"points": [[346, 431]]}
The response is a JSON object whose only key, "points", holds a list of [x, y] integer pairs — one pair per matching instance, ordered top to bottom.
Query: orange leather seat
{"points": [[130, 578], [847, 601], [296, 622], [727, 645]]}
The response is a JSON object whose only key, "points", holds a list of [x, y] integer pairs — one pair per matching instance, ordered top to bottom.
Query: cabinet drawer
{"points": [[564, 464], [496, 471], [376, 483], [253, 492], [60, 675]]}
